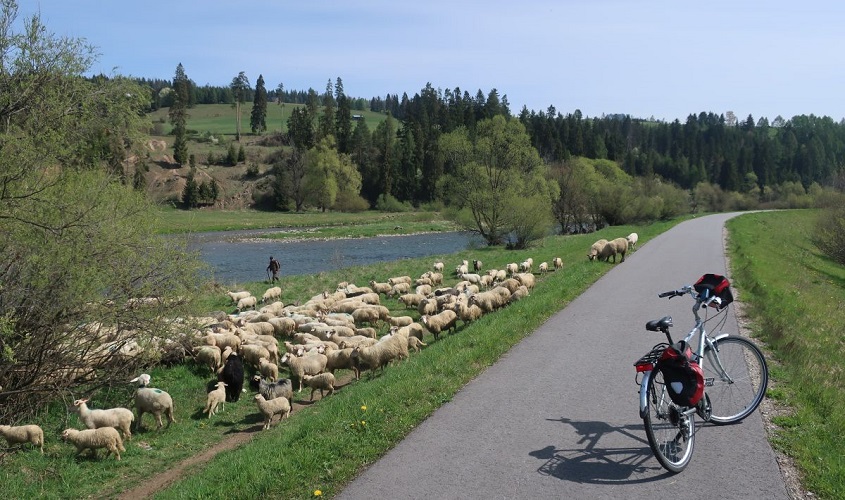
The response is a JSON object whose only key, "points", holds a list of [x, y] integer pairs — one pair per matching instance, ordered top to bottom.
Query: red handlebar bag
{"points": [[715, 284]]}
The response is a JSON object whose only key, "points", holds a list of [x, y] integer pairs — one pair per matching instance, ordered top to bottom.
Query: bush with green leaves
{"points": [[829, 233]]}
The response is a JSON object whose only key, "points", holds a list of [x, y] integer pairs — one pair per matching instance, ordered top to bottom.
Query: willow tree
{"points": [[498, 185], [86, 287]]}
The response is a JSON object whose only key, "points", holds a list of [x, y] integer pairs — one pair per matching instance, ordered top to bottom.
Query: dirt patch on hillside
{"points": [[176, 472]]}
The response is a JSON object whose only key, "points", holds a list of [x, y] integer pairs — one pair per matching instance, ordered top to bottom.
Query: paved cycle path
{"points": [[557, 416]]}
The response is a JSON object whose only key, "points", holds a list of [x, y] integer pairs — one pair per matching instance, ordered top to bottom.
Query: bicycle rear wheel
{"points": [[738, 390], [671, 434]]}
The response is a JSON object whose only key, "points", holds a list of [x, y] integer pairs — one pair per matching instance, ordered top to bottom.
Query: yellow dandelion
{"points": [[364, 408], [363, 422], [318, 493]]}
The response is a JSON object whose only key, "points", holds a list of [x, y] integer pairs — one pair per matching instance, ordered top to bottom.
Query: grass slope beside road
{"points": [[795, 297]]}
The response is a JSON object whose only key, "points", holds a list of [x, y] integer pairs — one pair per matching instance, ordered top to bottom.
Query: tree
{"points": [[239, 86], [179, 115], [258, 117], [343, 119], [327, 124], [301, 129], [328, 174], [500, 176], [191, 192], [71, 231]]}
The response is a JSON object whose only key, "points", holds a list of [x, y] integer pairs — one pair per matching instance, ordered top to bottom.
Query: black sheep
{"points": [[233, 375]]}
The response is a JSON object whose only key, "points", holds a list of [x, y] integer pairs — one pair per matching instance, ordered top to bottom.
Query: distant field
{"points": [[220, 118]]}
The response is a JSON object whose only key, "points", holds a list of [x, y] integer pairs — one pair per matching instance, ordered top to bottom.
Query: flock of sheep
{"points": [[330, 331]]}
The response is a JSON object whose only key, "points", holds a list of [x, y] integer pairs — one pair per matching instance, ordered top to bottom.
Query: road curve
{"points": [[557, 416]]}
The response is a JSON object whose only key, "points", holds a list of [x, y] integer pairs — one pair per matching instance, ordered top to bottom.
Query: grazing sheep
{"points": [[632, 240], [614, 247], [596, 249], [557, 262], [476, 265], [525, 266], [438, 267], [513, 268], [543, 268], [435, 278], [400, 279], [526, 279], [381, 288], [399, 289], [424, 289], [271, 293], [520, 293], [236, 296], [411, 300], [490, 300], [247, 302], [427, 307], [275, 309], [468, 312], [365, 315], [400, 320], [444, 320], [283, 326], [367, 332], [223, 340], [415, 344], [252, 353], [380, 354], [208, 355], [340, 359], [311, 364], [268, 369], [233, 375], [321, 382], [281, 388], [215, 398], [151, 400], [271, 408], [119, 418], [23, 434], [92, 439]]}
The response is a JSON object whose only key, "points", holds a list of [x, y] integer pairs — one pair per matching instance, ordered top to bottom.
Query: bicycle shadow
{"points": [[593, 464]]}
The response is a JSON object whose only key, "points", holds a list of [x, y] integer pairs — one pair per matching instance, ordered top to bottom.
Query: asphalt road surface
{"points": [[557, 416]]}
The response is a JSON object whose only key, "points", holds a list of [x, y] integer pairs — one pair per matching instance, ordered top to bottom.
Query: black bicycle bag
{"points": [[683, 377]]}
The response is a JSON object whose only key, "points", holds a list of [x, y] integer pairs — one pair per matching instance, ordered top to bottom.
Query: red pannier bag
{"points": [[683, 377]]}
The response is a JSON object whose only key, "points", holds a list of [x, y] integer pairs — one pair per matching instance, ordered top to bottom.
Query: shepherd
{"points": [[273, 267]]}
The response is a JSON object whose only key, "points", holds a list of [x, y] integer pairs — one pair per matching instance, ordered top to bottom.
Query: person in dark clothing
{"points": [[274, 267]]}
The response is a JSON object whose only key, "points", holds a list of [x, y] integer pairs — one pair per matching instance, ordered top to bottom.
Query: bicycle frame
{"points": [[698, 353]]}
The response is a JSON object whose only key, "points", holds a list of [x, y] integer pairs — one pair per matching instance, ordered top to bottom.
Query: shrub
{"points": [[349, 202], [387, 203], [829, 234]]}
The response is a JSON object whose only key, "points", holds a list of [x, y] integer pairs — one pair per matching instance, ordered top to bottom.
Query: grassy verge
{"points": [[304, 225], [795, 297], [325, 444]]}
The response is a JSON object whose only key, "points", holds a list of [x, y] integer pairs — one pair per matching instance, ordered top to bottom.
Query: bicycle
{"points": [[733, 369]]}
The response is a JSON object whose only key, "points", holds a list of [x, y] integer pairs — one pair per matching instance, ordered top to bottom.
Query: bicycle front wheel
{"points": [[735, 378], [670, 432]]}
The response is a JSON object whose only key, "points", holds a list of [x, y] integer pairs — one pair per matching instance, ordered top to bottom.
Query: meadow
{"points": [[324, 444]]}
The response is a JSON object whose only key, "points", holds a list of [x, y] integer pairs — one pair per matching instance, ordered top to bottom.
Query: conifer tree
{"points": [[179, 115], [258, 117], [343, 119]]}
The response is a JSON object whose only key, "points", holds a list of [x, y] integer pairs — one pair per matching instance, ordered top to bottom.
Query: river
{"points": [[242, 256]]}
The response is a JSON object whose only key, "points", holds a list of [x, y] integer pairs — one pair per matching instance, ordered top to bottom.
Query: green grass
{"points": [[312, 224], [795, 296], [324, 445]]}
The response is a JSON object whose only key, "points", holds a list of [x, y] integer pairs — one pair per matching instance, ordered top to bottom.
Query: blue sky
{"points": [[645, 58]]}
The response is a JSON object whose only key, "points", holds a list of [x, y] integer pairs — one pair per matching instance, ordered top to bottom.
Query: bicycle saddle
{"points": [[659, 325]]}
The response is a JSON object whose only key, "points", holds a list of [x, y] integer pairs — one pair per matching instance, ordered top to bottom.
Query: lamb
{"points": [[632, 240], [596, 249], [557, 262], [476, 265], [525, 266], [438, 267], [513, 268], [543, 268], [271, 293], [236, 296], [247, 302], [444, 320], [415, 344], [208, 355], [311, 364], [268, 369], [233, 375], [323, 381], [281, 388], [215, 398], [151, 400], [271, 408], [119, 418], [23, 434], [92, 439]]}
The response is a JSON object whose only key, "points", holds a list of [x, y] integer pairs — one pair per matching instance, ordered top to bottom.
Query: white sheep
{"points": [[632, 239], [596, 248], [612, 248], [557, 262], [438, 267], [512, 268], [543, 268], [399, 279], [526, 279], [381, 288], [271, 293], [518, 294], [236, 296], [411, 300], [490, 300], [247, 302], [427, 307], [467, 312], [365, 315], [400, 320], [436, 323], [415, 344], [252, 353], [380, 354], [208, 355], [340, 359], [311, 364], [268, 369], [321, 382], [215, 398], [152, 400], [271, 408], [119, 418], [23, 434], [92, 439]]}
